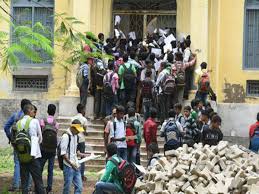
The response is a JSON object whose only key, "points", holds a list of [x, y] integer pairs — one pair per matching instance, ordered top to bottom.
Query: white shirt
{"points": [[187, 54], [84, 123], [34, 131], [120, 132], [71, 151]]}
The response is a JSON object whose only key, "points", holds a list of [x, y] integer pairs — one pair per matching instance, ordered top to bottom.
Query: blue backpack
{"points": [[172, 134], [254, 142]]}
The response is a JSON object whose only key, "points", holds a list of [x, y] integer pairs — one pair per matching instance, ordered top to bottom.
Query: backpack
{"points": [[79, 77], [99, 77], [128, 77], [180, 77], [204, 83], [168, 86], [107, 87], [147, 87], [14, 127], [172, 134], [49, 137], [22, 142], [254, 142], [60, 157], [153, 157], [126, 174]]}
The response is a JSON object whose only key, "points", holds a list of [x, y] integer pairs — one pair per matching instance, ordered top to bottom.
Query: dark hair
{"points": [[100, 35], [188, 37], [187, 42], [173, 43], [132, 55], [143, 55], [152, 56], [178, 56], [170, 57], [125, 58], [148, 62], [110, 64], [163, 64], [203, 65], [148, 73], [25, 102], [194, 103], [178, 106], [27, 108], [35, 108], [80, 108], [187, 108], [51, 109], [120, 109], [209, 110], [131, 112], [153, 112], [171, 113], [205, 113], [212, 114], [257, 116], [216, 119], [76, 121], [153, 147], [111, 149]]}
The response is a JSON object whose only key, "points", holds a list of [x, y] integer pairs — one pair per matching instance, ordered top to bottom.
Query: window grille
{"points": [[30, 12], [251, 52], [31, 84], [252, 88]]}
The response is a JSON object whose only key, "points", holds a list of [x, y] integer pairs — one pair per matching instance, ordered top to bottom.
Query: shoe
{"points": [[13, 189], [48, 190]]}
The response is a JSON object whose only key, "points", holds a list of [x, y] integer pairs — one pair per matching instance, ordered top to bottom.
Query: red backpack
{"points": [[204, 83]]}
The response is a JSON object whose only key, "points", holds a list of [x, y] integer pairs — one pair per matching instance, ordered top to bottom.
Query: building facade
{"points": [[224, 33]]}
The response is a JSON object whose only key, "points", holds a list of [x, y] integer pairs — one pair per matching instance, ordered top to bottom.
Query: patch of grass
{"points": [[6, 158]]}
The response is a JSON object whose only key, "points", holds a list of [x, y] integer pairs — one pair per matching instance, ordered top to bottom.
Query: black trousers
{"points": [[84, 92], [33, 168]]}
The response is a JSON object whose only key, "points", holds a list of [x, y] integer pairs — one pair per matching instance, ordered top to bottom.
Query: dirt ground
{"points": [[6, 180]]}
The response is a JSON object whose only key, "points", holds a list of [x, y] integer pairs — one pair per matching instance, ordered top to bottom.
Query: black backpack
{"points": [[99, 77], [128, 77], [168, 85], [107, 87], [147, 87], [14, 127], [172, 134], [49, 137], [60, 157], [127, 174]]}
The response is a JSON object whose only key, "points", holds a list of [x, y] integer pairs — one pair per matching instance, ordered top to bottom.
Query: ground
{"points": [[6, 172]]}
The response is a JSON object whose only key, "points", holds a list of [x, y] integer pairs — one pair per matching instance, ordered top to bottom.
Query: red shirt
{"points": [[252, 129], [150, 131], [129, 132]]}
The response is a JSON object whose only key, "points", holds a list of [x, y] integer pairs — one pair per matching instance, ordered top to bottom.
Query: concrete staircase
{"points": [[95, 143]]}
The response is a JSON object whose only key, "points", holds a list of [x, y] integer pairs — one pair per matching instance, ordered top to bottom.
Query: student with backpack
{"points": [[127, 74], [203, 82], [110, 87], [147, 93], [178, 114], [49, 129], [10, 131], [172, 131], [118, 132], [212, 135], [254, 136], [81, 142], [27, 148], [153, 154], [67, 156], [119, 176]]}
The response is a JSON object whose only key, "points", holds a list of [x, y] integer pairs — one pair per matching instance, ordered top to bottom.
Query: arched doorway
{"points": [[144, 16]]}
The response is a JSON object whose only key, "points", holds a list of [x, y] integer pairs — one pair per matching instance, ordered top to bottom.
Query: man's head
{"points": [[101, 37], [187, 43], [132, 55], [152, 56], [178, 56], [170, 57], [125, 58], [90, 60], [110, 64], [148, 64], [204, 65], [162, 66], [148, 73], [25, 102], [194, 104], [178, 108], [28, 109], [51, 109], [80, 109], [114, 111], [187, 111], [120, 112], [131, 112], [153, 112], [171, 113], [204, 116], [216, 122], [76, 127], [111, 149], [153, 149]]}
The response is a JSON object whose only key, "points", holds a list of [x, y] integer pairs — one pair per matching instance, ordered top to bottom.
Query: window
{"points": [[29, 12], [251, 40], [31, 83], [252, 88]]}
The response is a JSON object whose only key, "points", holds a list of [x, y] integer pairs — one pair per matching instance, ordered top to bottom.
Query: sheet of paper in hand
{"points": [[117, 20], [169, 39], [156, 51], [91, 157], [140, 168]]}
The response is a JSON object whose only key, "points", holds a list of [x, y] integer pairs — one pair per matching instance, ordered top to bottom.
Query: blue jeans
{"points": [[201, 96], [108, 104], [122, 152], [132, 154], [51, 161], [16, 174], [71, 175], [103, 188]]}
